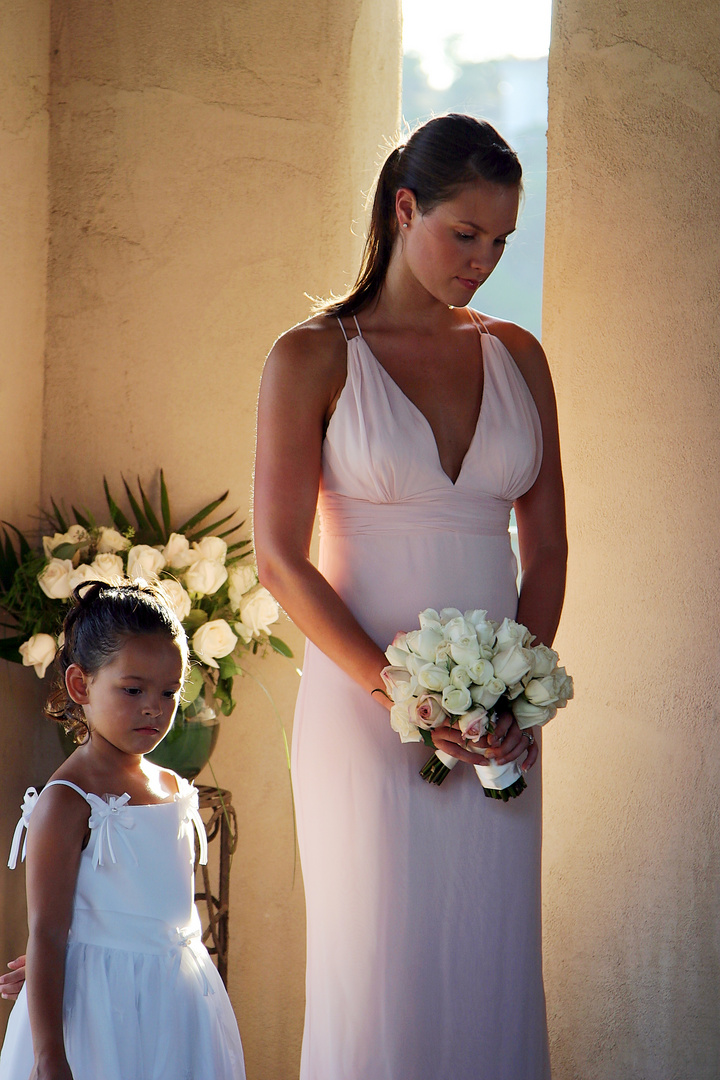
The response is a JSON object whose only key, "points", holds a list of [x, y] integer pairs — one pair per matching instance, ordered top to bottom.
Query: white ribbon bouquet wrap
{"points": [[458, 666]]}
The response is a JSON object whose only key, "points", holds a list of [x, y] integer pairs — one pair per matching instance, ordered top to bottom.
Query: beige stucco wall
{"points": [[24, 67], [205, 167], [632, 864]]}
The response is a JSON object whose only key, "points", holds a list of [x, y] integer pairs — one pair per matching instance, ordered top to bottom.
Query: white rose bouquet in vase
{"points": [[205, 571], [458, 668]]}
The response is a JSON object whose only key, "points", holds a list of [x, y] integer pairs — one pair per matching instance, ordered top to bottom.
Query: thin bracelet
{"points": [[379, 690]]}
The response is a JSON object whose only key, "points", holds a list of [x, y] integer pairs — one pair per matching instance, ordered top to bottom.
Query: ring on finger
{"points": [[529, 736]]}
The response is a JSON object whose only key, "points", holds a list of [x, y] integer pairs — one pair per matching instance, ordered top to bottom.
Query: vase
{"points": [[188, 745]]}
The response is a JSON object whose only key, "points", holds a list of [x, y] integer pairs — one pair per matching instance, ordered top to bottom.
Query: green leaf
{"points": [[165, 506], [202, 514], [151, 515], [139, 516], [118, 518], [81, 519], [63, 525], [211, 530], [239, 544], [24, 545], [66, 551], [10, 562], [195, 619], [279, 646], [227, 666], [192, 685], [223, 693], [427, 738]]}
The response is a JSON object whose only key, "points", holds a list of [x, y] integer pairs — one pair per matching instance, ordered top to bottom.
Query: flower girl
{"points": [[119, 985]]}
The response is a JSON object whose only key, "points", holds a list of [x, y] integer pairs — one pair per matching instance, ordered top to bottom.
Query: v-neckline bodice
{"points": [[385, 374]]}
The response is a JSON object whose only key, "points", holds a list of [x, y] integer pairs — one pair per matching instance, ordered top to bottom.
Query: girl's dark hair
{"points": [[438, 159], [102, 618]]}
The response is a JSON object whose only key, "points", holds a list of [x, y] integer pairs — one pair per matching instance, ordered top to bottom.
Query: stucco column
{"points": [[24, 122], [206, 164], [632, 864]]}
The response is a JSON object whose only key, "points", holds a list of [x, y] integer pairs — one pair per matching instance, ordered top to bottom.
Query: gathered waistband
{"points": [[482, 515]]}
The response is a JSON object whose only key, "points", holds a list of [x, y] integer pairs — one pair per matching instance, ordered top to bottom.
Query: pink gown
{"points": [[423, 902]]}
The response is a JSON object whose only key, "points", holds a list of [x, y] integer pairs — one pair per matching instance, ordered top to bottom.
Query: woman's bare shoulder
{"points": [[315, 343], [526, 351]]}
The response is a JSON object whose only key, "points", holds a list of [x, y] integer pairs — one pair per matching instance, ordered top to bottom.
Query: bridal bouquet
{"points": [[203, 566], [459, 666]]}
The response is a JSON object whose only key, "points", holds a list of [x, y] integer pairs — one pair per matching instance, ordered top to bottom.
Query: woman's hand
{"points": [[505, 744], [12, 983]]}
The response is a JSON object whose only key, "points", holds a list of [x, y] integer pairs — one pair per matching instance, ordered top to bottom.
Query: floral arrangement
{"points": [[207, 575], [459, 667]]}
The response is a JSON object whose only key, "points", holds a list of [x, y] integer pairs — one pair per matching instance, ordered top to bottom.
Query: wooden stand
{"points": [[218, 813]]}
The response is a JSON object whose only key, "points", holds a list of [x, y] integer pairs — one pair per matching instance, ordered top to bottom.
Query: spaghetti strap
{"points": [[477, 319], [357, 325], [67, 783], [28, 805]]}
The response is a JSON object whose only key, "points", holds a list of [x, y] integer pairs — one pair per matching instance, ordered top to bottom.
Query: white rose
{"points": [[111, 541], [211, 547], [177, 552], [144, 562], [107, 566], [83, 572], [205, 576], [55, 579], [242, 579], [177, 598], [259, 610], [448, 614], [430, 620], [458, 628], [242, 632], [510, 632], [214, 638], [424, 643], [466, 649], [38, 652], [397, 657], [544, 660], [511, 663], [481, 672], [460, 676], [433, 677], [399, 683], [564, 687], [542, 691], [488, 694], [456, 699], [427, 711], [529, 715], [400, 721]]}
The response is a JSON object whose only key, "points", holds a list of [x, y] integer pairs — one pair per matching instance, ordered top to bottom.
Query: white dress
{"points": [[423, 902], [143, 1000]]}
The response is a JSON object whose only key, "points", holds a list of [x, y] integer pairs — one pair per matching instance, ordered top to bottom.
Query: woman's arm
{"points": [[302, 380], [55, 836]]}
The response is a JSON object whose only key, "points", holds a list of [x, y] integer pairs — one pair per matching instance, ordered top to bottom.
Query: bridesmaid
{"points": [[391, 405]]}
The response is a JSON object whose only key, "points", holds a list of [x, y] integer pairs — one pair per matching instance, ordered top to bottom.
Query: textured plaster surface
{"points": [[206, 165], [24, 748], [632, 870]]}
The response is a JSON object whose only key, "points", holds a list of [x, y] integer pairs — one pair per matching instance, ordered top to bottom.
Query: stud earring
{"points": [[405, 224]]}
